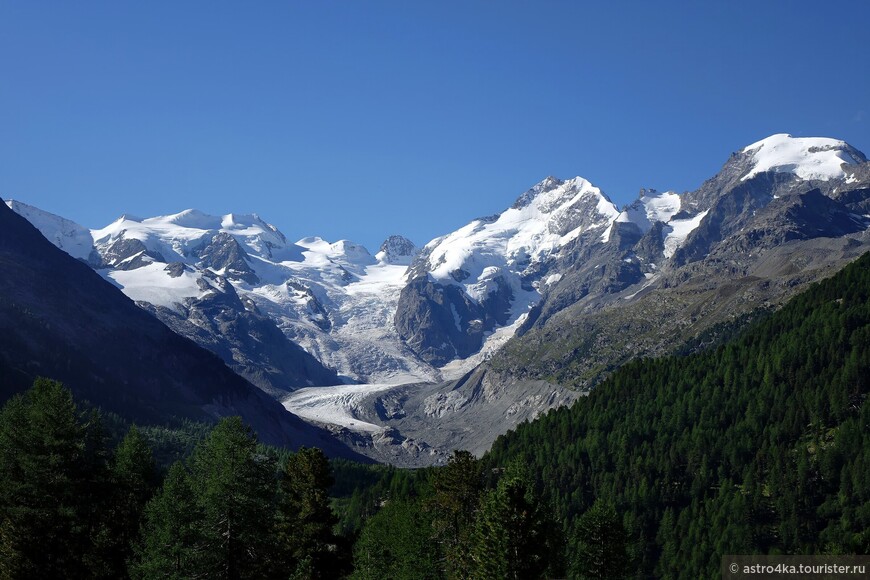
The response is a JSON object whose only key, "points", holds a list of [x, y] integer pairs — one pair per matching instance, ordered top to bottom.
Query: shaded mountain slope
{"points": [[60, 319]]}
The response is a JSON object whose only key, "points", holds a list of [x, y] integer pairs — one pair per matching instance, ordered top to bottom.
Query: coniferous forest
{"points": [[758, 445]]}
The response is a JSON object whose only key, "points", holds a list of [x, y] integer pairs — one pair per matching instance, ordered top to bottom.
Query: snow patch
{"points": [[815, 158], [651, 207], [676, 232], [67, 235], [552, 279], [153, 284]]}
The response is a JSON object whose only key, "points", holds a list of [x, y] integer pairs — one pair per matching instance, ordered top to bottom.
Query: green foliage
{"points": [[760, 445], [48, 460], [131, 481], [234, 488], [361, 489], [457, 489], [69, 508], [514, 532], [170, 540], [305, 541], [396, 543], [599, 544]]}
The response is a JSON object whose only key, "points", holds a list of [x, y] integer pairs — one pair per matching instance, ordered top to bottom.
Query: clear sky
{"points": [[359, 119]]}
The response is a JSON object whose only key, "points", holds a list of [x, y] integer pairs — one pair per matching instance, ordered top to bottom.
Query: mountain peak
{"points": [[809, 158], [547, 184], [192, 218], [397, 250]]}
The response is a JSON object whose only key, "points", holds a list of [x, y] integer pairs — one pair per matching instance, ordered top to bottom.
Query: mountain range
{"points": [[62, 320], [492, 324]]}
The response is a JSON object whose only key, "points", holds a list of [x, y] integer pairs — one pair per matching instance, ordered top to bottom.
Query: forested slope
{"points": [[761, 445]]}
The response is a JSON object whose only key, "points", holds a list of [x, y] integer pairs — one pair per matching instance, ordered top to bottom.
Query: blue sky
{"points": [[360, 119]]}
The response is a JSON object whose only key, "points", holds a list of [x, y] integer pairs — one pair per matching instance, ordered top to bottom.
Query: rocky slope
{"points": [[781, 213], [485, 275]]}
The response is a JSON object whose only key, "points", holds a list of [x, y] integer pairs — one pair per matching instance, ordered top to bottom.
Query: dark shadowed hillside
{"points": [[59, 319]]}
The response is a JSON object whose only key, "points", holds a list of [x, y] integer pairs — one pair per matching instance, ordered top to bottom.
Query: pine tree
{"points": [[43, 477], [235, 489], [304, 521], [170, 540], [600, 542]]}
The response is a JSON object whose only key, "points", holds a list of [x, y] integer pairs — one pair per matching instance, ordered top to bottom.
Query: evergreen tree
{"points": [[757, 445], [43, 477], [131, 480], [235, 488], [457, 490], [515, 536], [170, 540], [305, 542], [396, 543], [600, 544]]}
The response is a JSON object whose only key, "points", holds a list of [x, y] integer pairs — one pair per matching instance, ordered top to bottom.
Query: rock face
{"points": [[782, 212], [397, 250], [223, 253], [485, 274], [441, 323], [246, 340]]}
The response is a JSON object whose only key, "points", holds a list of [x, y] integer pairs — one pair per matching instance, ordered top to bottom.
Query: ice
{"points": [[809, 158], [651, 207], [676, 232], [70, 237], [152, 284], [335, 405]]}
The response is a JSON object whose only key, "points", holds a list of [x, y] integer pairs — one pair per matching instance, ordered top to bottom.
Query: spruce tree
{"points": [[43, 477], [131, 481], [235, 486], [457, 490], [515, 535], [304, 537], [170, 539], [395, 543], [600, 544]]}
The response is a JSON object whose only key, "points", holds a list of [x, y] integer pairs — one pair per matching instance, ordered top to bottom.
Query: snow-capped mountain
{"points": [[809, 158], [781, 213], [67, 235], [397, 250], [214, 278], [465, 285], [561, 285], [407, 314], [60, 319]]}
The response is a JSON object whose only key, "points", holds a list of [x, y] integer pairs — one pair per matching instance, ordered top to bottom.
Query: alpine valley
{"points": [[409, 353]]}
